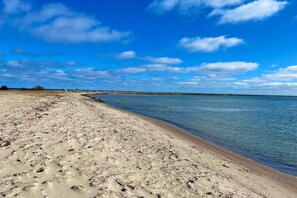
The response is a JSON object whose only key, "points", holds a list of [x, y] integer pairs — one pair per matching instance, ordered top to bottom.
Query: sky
{"points": [[203, 46]]}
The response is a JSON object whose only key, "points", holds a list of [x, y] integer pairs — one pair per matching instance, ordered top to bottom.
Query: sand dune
{"points": [[67, 145]]}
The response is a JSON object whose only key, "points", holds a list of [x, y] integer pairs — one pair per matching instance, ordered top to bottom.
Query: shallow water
{"points": [[261, 128]]}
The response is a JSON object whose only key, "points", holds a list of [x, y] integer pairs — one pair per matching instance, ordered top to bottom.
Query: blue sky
{"points": [[215, 46]]}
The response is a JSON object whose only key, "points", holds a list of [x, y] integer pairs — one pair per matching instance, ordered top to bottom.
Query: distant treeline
{"points": [[4, 87], [36, 88]]}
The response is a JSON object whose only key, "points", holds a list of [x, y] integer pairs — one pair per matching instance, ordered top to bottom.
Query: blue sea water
{"points": [[261, 128]]}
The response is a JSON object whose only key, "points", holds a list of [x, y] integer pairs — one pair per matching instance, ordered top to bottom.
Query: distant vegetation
{"points": [[4, 88], [36, 88]]}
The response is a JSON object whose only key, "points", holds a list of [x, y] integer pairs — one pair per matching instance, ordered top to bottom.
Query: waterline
{"points": [[261, 128]]}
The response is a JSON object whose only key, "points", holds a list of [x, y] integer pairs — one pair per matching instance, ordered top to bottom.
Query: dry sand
{"points": [[67, 145]]}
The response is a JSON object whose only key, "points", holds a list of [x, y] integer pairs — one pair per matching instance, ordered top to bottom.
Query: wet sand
{"points": [[67, 145]]}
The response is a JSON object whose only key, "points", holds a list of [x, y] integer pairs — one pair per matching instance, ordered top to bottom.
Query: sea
{"points": [[262, 128]]}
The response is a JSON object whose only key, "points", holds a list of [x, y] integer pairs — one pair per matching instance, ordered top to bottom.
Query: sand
{"points": [[66, 145]]}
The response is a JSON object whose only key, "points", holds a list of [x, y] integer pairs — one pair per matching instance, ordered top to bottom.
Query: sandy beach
{"points": [[56, 144]]}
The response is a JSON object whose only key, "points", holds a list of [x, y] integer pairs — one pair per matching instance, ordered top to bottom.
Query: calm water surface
{"points": [[261, 128]]}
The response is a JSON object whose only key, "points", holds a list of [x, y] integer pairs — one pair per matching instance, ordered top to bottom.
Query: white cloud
{"points": [[15, 6], [188, 6], [256, 10], [231, 11], [47, 13], [57, 23], [208, 44], [21, 51], [126, 55], [165, 60], [72, 63], [14, 64], [26, 64], [163, 67], [220, 67], [229, 67], [150, 68], [132, 70], [90, 73], [52, 74], [283, 74], [287, 74], [8, 75], [208, 80], [253, 80], [282, 81], [188, 83], [241, 84], [277, 85]]}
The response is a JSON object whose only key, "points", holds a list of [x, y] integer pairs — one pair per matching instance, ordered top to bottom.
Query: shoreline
{"points": [[67, 145], [254, 166], [283, 178]]}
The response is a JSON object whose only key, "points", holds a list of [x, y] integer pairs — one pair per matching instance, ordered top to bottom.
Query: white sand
{"points": [[66, 145]]}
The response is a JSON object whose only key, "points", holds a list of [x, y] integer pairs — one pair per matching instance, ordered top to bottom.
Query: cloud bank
{"points": [[219, 67], [229, 67]]}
